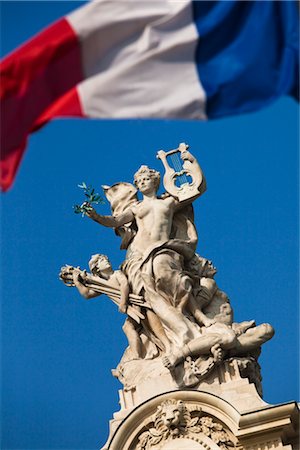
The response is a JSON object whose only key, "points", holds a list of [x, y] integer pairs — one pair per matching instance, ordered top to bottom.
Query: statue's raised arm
{"points": [[183, 180]]}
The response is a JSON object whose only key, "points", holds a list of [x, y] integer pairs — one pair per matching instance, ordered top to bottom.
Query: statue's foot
{"points": [[208, 322], [217, 353], [172, 359], [168, 362]]}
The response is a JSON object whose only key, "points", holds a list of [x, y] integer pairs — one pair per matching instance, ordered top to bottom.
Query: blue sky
{"points": [[58, 349]]}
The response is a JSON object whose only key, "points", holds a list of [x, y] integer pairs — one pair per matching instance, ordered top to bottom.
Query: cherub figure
{"points": [[101, 267], [203, 288]]}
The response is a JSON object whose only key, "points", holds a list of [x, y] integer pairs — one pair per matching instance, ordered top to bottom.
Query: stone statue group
{"points": [[178, 320]]}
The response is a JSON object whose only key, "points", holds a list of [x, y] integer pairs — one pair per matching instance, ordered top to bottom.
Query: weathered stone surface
{"points": [[179, 323], [190, 374], [181, 419]]}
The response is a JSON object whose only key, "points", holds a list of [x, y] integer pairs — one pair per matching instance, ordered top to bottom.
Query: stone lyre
{"points": [[185, 179]]}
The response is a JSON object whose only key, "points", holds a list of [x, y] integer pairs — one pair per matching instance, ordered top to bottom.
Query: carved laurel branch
{"points": [[174, 419]]}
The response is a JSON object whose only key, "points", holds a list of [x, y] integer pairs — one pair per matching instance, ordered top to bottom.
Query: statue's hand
{"points": [[186, 156], [91, 213], [66, 275], [79, 275], [123, 307], [208, 322], [240, 328]]}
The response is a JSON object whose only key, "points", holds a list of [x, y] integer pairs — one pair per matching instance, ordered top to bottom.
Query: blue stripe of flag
{"points": [[247, 54]]}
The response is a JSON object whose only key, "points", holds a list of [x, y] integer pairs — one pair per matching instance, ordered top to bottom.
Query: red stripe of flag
{"points": [[37, 84]]}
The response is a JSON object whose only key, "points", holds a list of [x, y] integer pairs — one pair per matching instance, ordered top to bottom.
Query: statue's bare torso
{"points": [[154, 221]]}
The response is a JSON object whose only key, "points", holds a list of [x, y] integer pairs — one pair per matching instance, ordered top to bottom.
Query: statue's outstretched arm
{"points": [[110, 221], [83, 290]]}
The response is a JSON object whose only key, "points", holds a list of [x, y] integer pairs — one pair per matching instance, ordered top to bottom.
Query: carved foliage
{"points": [[174, 419], [215, 431]]}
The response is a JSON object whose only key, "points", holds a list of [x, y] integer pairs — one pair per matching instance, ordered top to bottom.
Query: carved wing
{"points": [[121, 196]]}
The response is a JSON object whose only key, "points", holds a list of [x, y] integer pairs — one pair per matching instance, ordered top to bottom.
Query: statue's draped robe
{"points": [[158, 273]]}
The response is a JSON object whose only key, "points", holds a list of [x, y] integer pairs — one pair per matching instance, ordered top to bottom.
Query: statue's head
{"points": [[145, 174], [99, 264], [202, 266], [209, 270], [170, 415]]}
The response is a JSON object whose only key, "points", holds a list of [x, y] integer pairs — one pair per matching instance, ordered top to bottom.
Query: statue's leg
{"points": [[168, 277], [184, 292], [195, 308], [169, 316], [157, 329], [133, 337], [209, 343], [196, 347]]}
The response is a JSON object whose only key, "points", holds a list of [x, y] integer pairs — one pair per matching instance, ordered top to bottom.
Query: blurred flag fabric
{"points": [[162, 59]]}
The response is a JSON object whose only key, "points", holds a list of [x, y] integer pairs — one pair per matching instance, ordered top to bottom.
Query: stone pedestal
{"points": [[222, 412]]}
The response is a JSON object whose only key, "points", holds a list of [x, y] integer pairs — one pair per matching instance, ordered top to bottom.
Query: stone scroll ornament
{"points": [[178, 322], [174, 420]]}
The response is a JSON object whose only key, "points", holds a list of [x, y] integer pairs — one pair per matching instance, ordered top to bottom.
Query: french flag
{"points": [[151, 59]]}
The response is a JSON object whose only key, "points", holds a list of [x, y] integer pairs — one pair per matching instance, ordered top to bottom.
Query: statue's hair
{"points": [[151, 172], [94, 259], [205, 265], [208, 266], [176, 403], [173, 405]]}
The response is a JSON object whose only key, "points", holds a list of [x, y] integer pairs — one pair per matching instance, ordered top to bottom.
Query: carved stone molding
{"points": [[175, 419], [198, 420]]}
